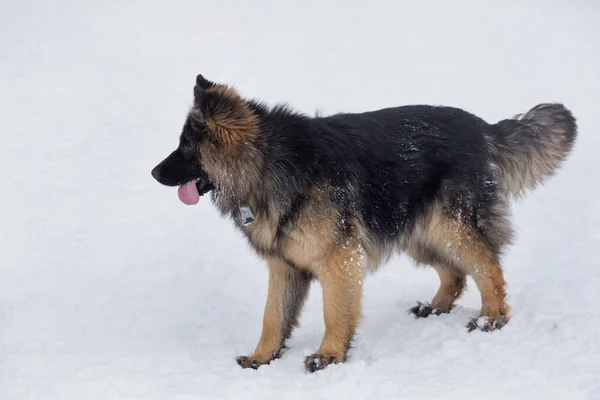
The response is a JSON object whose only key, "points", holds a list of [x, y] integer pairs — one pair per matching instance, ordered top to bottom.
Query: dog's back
{"points": [[394, 163]]}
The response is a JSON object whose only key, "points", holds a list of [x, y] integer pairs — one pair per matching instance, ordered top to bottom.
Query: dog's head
{"points": [[219, 123]]}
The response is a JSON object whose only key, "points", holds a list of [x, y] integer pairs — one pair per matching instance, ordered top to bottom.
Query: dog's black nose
{"points": [[156, 173]]}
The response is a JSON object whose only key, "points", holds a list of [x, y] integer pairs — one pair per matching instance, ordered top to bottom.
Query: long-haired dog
{"points": [[331, 198]]}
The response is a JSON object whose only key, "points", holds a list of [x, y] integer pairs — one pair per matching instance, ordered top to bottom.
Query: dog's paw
{"points": [[422, 310], [487, 324], [255, 361], [250, 362], [316, 362]]}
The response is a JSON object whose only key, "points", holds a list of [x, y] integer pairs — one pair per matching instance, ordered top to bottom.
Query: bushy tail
{"points": [[530, 147]]}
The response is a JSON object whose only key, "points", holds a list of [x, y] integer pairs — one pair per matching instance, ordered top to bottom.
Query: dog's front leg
{"points": [[342, 277], [288, 288]]}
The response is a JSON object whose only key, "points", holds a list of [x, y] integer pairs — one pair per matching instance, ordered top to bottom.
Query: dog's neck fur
{"points": [[242, 180]]}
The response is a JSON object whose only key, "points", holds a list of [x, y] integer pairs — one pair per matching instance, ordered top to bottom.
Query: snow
{"points": [[110, 288]]}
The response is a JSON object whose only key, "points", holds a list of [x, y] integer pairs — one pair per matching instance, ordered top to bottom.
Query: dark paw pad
{"points": [[422, 310], [487, 324], [318, 362]]}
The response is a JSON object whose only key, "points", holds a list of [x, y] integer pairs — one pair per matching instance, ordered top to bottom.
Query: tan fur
{"points": [[232, 121], [262, 232], [312, 236], [439, 238], [315, 244], [374, 254], [341, 275], [452, 285], [287, 290], [272, 330]]}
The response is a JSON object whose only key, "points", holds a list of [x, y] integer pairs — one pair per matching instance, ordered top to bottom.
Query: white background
{"points": [[110, 288]]}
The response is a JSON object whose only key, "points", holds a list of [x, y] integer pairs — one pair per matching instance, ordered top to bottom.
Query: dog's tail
{"points": [[530, 147]]}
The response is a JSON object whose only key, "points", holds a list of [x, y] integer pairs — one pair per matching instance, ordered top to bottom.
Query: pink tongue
{"points": [[188, 193]]}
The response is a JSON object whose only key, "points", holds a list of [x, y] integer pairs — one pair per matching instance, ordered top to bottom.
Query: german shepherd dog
{"points": [[331, 198]]}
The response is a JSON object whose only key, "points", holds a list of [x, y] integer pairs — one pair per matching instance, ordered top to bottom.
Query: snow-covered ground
{"points": [[110, 288]]}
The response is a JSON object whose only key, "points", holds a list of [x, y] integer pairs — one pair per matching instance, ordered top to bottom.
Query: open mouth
{"points": [[189, 193]]}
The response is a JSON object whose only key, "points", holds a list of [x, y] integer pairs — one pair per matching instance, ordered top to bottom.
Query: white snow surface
{"points": [[110, 288]]}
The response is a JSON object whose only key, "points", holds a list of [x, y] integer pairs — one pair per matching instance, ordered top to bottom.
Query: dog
{"points": [[332, 198]]}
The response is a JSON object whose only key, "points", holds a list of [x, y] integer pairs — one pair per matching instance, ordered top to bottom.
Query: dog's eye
{"points": [[187, 152]]}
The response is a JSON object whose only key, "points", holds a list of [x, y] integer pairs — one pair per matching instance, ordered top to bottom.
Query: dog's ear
{"points": [[203, 83], [199, 93], [227, 116]]}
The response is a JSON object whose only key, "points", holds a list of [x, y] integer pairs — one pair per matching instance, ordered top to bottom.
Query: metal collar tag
{"points": [[246, 215]]}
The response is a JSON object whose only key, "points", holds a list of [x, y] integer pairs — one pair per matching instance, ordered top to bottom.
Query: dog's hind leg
{"points": [[447, 240], [474, 256], [488, 276], [452, 285], [288, 288]]}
